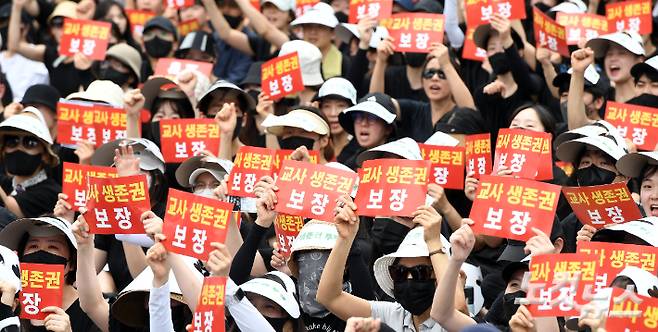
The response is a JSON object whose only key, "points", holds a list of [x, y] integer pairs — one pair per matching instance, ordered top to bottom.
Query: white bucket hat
{"points": [[283, 5], [570, 7], [321, 14], [629, 40], [310, 60], [337, 87], [100, 92], [299, 118], [30, 120], [440, 138], [405, 148], [571, 150], [150, 157], [633, 164], [191, 168], [645, 229], [11, 235], [315, 235], [413, 245], [10, 268], [643, 279], [281, 293]]}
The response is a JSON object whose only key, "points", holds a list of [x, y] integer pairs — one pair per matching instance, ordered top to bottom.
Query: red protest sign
{"points": [[178, 3], [255, 4], [302, 6], [360, 9], [479, 12], [629, 15], [138, 18], [581, 25], [188, 26], [414, 32], [549, 34], [84, 36], [470, 51], [170, 67], [282, 76], [95, 123], [638, 124], [184, 138], [521, 151], [478, 154], [282, 155], [250, 164], [447, 165], [74, 181], [392, 187], [310, 190], [115, 205], [602, 205], [508, 208], [192, 222], [286, 228], [41, 287], [555, 288], [631, 312], [209, 313]]}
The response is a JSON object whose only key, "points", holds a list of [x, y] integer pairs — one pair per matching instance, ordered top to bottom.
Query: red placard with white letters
{"points": [[178, 3], [378, 9], [479, 12], [629, 15], [138, 18], [582, 26], [414, 32], [549, 34], [90, 38], [470, 50], [170, 67], [282, 76], [81, 121], [639, 124], [184, 138], [522, 151], [478, 154], [251, 163], [447, 165], [74, 181], [392, 187], [310, 190], [115, 205], [602, 205], [507, 207], [193, 222], [286, 228], [41, 287], [631, 312], [209, 313]]}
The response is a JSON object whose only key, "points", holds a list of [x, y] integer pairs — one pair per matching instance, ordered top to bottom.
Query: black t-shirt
{"points": [[263, 48], [64, 76], [396, 85], [415, 120], [349, 153], [36, 199], [116, 259], [80, 322], [330, 323]]}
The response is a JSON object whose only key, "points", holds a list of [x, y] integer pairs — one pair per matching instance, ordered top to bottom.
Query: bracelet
{"points": [[437, 251]]}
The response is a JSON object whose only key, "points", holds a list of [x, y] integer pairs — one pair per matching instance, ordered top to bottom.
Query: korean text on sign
{"points": [[178, 3], [302, 6], [360, 9], [479, 12], [630, 15], [138, 18], [188, 26], [582, 26], [414, 32], [549, 34], [87, 37], [170, 67], [282, 76], [636, 123], [98, 124], [185, 138], [522, 152], [478, 154], [281, 155], [250, 164], [447, 165], [74, 181], [392, 187], [310, 190], [115, 205], [602, 205], [507, 207], [193, 222], [286, 228], [41, 287], [555, 288], [631, 312], [209, 313]]}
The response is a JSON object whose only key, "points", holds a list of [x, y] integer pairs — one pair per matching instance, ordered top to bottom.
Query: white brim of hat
{"points": [[283, 5], [568, 7], [316, 17], [346, 31], [600, 44], [650, 65], [338, 87], [101, 91], [298, 118], [346, 119], [30, 124], [588, 130], [442, 139], [405, 148], [570, 151], [150, 157], [633, 164], [215, 166], [644, 229], [13, 233], [10, 268], [643, 279], [275, 292]]}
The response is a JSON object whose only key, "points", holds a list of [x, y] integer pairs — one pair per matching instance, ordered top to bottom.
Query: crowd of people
{"points": [[362, 100]]}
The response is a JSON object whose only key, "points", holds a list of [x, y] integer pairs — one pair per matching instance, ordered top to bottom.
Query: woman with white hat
{"points": [[336, 95], [26, 152]]}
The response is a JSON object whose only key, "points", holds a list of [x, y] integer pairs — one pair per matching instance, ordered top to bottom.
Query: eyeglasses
{"points": [[428, 74], [365, 116], [13, 141], [419, 272]]}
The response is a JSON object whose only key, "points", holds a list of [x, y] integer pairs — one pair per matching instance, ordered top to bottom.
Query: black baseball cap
{"points": [[161, 23], [41, 94], [461, 120]]}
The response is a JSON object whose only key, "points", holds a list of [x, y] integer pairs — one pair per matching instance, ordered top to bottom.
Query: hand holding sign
{"points": [[504, 28], [346, 220], [80, 230], [461, 243], [540, 244], [219, 260], [57, 319]]}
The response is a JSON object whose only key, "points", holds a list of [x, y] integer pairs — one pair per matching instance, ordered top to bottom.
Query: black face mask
{"points": [[233, 21], [158, 48], [415, 60], [499, 63], [110, 74], [293, 142], [22, 163], [594, 176], [387, 234], [43, 257], [414, 296], [509, 307], [276, 323]]}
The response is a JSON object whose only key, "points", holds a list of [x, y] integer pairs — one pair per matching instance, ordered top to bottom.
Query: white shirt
{"points": [[22, 73], [393, 315]]}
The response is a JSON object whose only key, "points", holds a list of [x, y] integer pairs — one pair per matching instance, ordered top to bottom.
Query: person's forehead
{"points": [[48, 239]]}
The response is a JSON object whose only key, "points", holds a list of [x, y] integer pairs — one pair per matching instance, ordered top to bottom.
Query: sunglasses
{"points": [[428, 74], [13, 141], [400, 273]]}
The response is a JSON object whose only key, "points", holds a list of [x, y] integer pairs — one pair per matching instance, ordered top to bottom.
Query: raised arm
{"points": [[263, 27], [233, 37], [14, 42], [384, 50], [544, 58], [460, 93], [133, 102], [576, 114], [159, 296]]}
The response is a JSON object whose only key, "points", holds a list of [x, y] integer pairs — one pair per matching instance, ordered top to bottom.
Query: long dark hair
{"points": [[103, 7], [545, 116]]}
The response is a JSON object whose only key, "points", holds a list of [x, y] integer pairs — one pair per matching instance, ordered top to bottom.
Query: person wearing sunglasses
{"points": [[26, 153]]}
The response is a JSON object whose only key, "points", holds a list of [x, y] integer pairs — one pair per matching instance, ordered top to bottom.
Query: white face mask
{"points": [[205, 192]]}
